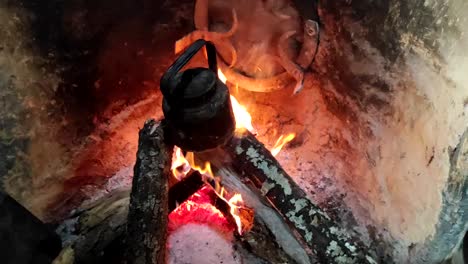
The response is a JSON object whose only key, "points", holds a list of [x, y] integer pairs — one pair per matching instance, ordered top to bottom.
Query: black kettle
{"points": [[196, 104]]}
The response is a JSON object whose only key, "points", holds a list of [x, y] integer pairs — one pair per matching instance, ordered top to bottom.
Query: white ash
{"points": [[121, 180], [195, 243]]}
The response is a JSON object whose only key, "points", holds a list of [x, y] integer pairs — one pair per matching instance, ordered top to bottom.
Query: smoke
{"points": [[261, 24]]}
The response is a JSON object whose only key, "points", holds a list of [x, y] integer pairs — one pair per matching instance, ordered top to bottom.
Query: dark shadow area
{"points": [[105, 52]]}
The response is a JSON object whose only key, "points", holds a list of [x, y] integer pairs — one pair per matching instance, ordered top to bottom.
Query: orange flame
{"points": [[221, 76], [242, 116], [282, 140], [180, 166], [206, 172], [236, 201]]}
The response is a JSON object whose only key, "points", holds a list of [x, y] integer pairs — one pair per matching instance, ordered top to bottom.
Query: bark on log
{"points": [[148, 211], [99, 230], [92, 232], [95, 233], [328, 241], [259, 242]]}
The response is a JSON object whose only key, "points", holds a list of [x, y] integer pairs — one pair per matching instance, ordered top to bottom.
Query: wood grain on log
{"points": [[148, 211], [259, 241]]}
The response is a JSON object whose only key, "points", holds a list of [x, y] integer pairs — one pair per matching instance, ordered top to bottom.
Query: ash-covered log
{"points": [[254, 163], [148, 210], [97, 231]]}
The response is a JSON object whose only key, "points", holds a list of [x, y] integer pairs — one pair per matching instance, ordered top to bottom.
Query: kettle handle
{"points": [[185, 58]]}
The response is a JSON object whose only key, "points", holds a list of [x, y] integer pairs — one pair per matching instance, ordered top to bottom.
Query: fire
{"points": [[221, 76], [242, 116], [244, 120], [282, 140], [181, 165], [206, 172], [235, 202]]}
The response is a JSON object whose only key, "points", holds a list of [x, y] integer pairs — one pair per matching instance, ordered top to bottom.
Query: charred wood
{"points": [[188, 186], [182, 190], [148, 210], [98, 230], [97, 233], [283, 236], [258, 241]]}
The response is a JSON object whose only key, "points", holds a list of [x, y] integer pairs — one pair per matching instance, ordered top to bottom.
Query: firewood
{"points": [[254, 163], [182, 190], [148, 210], [101, 226], [98, 230], [274, 235], [257, 240]]}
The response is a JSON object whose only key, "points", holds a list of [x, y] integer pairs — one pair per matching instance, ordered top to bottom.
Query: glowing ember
{"points": [[242, 116], [282, 140], [180, 166], [235, 202], [199, 209]]}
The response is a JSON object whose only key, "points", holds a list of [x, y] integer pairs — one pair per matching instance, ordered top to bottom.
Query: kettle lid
{"points": [[194, 84]]}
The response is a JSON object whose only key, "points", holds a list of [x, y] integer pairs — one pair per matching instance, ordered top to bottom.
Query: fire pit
{"points": [[351, 149]]}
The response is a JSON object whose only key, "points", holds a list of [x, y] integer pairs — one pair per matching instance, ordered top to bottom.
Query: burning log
{"points": [[253, 162], [188, 186], [185, 188], [147, 216], [97, 231], [257, 238]]}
